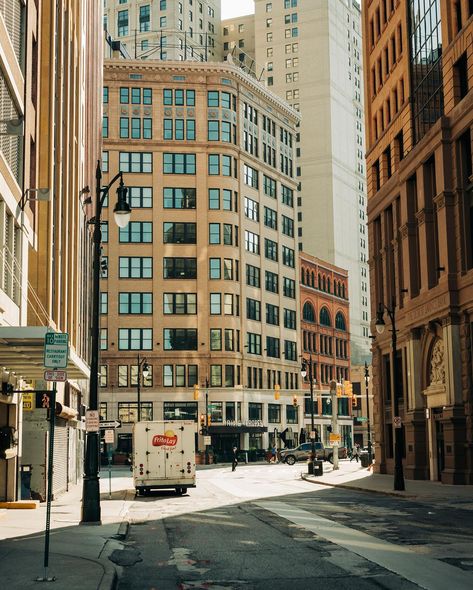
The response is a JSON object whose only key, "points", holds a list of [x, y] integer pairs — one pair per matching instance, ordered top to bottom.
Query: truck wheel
{"points": [[290, 459], [179, 491]]}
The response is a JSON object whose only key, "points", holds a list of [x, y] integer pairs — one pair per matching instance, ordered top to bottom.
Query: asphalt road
{"points": [[262, 527]]}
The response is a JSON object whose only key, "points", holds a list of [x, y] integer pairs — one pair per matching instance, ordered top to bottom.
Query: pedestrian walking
{"points": [[355, 453], [274, 454], [234, 457]]}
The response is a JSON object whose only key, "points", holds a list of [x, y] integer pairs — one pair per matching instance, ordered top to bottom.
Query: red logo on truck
{"points": [[168, 439]]}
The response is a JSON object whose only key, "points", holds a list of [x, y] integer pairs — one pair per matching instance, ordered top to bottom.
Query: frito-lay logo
{"points": [[168, 439]]}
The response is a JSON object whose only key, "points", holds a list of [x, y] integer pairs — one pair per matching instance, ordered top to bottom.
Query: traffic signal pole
{"points": [[334, 400]]}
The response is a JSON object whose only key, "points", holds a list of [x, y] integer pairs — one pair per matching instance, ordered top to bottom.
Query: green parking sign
{"points": [[56, 350]]}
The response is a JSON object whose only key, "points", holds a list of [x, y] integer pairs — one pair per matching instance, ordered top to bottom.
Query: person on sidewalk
{"points": [[355, 453], [274, 454], [234, 457]]}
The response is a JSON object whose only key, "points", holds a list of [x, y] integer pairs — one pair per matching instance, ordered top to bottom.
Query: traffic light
{"points": [[348, 388], [277, 389], [339, 389], [196, 391], [294, 401], [354, 402], [202, 423]]}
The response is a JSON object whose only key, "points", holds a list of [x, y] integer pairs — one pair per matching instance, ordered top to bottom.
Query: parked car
{"points": [[302, 453]]}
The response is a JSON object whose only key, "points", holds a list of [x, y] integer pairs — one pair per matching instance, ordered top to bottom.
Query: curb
{"points": [[357, 488]]}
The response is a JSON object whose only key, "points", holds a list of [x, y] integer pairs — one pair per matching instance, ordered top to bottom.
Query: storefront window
{"points": [[128, 411], [180, 411], [255, 411], [230, 413], [274, 413], [256, 439]]}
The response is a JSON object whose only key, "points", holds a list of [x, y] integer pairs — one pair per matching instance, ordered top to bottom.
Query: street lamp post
{"points": [[122, 211], [380, 325], [145, 372], [367, 378], [312, 422]]}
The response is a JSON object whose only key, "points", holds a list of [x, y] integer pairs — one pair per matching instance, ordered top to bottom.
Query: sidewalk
{"points": [[354, 477], [79, 554]]}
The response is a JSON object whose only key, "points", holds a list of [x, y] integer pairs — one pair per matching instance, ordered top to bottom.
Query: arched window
{"points": [[303, 277], [307, 277], [312, 280], [320, 282], [324, 284], [328, 285], [343, 291], [308, 313], [324, 317], [340, 322]]}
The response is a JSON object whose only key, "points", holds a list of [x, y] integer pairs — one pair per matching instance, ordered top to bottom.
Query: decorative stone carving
{"points": [[437, 364]]}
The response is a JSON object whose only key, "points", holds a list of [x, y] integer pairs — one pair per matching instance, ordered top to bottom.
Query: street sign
{"points": [[56, 350], [55, 375], [28, 402], [361, 418], [92, 420], [397, 422], [106, 424], [109, 437], [335, 437], [207, 440]]}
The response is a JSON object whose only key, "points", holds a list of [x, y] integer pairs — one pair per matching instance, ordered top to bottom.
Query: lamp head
{"points": [[122, 210], [380, 325], [145, 370], [303, 370]]}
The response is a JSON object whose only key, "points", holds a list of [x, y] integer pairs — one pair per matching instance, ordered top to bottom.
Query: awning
{"points": [[22, 352], [236, 429]]}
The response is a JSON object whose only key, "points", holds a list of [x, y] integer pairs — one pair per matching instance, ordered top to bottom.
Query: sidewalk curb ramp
{"points": [[348, 486]]}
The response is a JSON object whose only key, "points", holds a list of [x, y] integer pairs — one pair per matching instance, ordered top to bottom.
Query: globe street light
{"points": [[122, 213], [380, 327], [312, 423]]}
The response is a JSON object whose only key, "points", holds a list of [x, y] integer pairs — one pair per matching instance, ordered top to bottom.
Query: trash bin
{"points": [[365, 460], [318, 467], [25, 472]]}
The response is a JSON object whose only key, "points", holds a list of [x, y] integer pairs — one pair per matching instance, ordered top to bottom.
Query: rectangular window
{"points": [[144, 18], [122, 23], [147, 96], [213, 98], [105, 127], [167, 129], [190, 129], [213, 130], [136, 162], [178, 163], [214, 164], [226, 165], [250, 176], [269, 186], [287, 196], [141, 197], [179, 198], [214, 198], [227, 199], [251, 209], [270, 218], [287, 226], [137, 232], [179, 233], [214, 233], [251, 242], [270, 249], [288, 257], [135, 267], [180, 268], [215, 268], [228, 269], [253, 275], [271, 282], [289, 288], [104, 303], [135, 303], [179, 303], [253, 309], [272, 314], [290, 319], [135, 339], [180, 339], [215, 339], [253, 343], [272, 347], [290, 350], [122, 375], [128, 411], [255, 411], [274, 413]]}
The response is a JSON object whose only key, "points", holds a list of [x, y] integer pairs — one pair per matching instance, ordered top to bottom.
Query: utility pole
{"points": [[334, 400]]}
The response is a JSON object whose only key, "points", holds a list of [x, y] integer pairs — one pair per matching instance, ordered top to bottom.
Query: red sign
{"points": [[55, 375], [168, 439]]}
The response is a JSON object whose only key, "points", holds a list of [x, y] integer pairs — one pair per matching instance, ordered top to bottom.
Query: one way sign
{"points": [[104, 424]]}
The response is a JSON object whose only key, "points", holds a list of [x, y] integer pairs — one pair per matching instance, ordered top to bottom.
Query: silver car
{"points": [[302, 452]]}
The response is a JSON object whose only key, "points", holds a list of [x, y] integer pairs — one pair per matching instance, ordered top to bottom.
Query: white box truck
{"points": [[164, 455]]}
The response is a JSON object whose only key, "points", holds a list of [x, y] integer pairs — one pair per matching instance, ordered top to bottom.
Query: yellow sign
{"points": [[28, 402], [335, 438]]}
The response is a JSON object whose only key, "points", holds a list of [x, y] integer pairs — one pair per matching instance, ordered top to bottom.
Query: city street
{"points": [[263, 526]]}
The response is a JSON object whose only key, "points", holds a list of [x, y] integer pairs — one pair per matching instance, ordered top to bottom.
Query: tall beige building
{"points": [[165, 29], [310, 51], [50, 115], [203, 283]]}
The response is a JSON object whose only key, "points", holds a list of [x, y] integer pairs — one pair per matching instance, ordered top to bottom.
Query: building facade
{"points": [[165, 29], [291, 37], [238, 38], [419, 109], [44, 166], [203, 283], [325, 328]]}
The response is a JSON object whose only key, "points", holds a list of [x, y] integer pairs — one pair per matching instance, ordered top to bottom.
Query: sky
{"points": [[231, 8]]}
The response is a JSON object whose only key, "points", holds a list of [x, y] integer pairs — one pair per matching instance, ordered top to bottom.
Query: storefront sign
{"points": [[28, 401], [245, 423]]}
